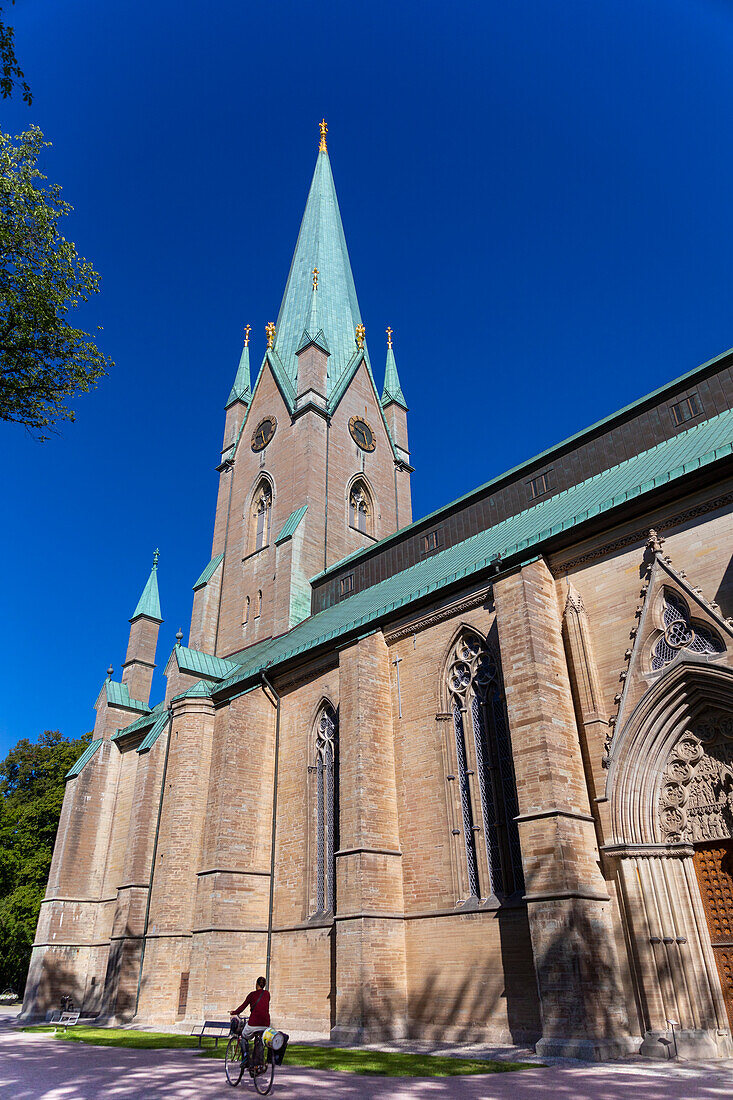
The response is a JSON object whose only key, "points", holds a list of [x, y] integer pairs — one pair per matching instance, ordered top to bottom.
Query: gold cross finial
{"points": [[324, 131], [315, 278], [247, 330], [270, 333], [360, 334], [389, 336]]}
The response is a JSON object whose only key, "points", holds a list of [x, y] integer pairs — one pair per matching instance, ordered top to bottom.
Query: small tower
{"points": [[239, 398], [395, 412], [139, 664]]}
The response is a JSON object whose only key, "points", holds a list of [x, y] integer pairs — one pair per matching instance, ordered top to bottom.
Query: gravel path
{"points": [[35, 1067]]}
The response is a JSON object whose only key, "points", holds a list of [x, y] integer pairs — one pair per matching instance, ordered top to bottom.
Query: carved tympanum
{"points": [[696, 796]]}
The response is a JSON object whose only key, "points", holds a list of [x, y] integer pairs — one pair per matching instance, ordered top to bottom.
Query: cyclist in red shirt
{"points": [[259, 1010]]}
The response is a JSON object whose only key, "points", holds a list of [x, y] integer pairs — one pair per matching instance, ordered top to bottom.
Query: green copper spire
{"points": [[321, 245], [392, 389], [241, 390], [149, 603]]}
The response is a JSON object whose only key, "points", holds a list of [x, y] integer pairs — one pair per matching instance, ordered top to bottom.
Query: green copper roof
{"points": [[321, 244], [392, 389], [241, 390], [541, 458], [291, 524], [520, 535], [209, 571], [149, 603], [202, 664], [200, 690], [118, 695], [142, 723], [155, 730], [85, 757]]}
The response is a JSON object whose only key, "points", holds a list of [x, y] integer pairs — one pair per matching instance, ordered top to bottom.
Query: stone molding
{"points": [[640, 535], [438, 616], [648, 851]]}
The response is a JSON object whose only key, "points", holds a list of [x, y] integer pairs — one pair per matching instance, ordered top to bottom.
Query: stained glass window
{"points": [[483, 754], [326, 812]]}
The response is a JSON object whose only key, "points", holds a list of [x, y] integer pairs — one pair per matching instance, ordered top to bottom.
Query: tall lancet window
{"points": [[360, 508], [262, 513], [484, 771], [326, 811]]}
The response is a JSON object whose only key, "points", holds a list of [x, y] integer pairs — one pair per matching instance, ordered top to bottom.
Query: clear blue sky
{"points": [[536, 196]]}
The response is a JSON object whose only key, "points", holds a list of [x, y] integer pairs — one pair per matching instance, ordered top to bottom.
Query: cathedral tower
{"points": [[314, 466]]}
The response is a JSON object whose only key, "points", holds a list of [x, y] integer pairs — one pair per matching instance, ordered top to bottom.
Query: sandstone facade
{"points": [[470, 777]]}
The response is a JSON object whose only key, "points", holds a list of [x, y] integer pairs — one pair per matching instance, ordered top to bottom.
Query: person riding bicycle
{"points": [[258, 1002]]}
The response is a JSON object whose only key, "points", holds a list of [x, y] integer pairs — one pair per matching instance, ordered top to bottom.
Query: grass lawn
{"points": [[376, 1062]]}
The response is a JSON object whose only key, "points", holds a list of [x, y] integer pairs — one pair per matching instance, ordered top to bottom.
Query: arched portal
{"points": [[670, 787]]}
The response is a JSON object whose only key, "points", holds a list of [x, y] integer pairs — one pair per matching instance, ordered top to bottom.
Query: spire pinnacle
{"points": [[324, 130], [315, 278], [270, 333], [360, 335], [241, 390], [392, 392], [149, 602]]}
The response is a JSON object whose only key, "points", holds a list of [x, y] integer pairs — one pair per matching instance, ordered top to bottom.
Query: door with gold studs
{"points": [[714, 867]]}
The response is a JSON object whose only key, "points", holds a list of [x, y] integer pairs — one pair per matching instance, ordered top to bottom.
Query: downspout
{"points": [[276, 704], [152, 864]]}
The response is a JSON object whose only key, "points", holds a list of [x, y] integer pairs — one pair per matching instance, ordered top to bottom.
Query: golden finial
{"points": [[324, 131], [316, 273], [247, 330], [388, 330], [270, 333], [360, 334]]}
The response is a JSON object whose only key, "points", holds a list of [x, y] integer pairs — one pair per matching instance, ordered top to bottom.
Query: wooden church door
{"points": [[714, 867]]}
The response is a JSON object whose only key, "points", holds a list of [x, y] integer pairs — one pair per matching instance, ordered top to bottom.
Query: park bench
{"points": [[66, 1020], [217, 1029]]}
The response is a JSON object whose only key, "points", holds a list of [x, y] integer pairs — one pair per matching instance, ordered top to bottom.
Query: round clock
{"points": [[263, 433], [362, 434]]}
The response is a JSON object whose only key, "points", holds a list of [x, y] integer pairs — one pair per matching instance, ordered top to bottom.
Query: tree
{"points": [[10, 70], [44, 359], [31, 793]]}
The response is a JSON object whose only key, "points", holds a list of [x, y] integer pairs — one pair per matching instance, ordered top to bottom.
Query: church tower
{"points": [[315, 465]]}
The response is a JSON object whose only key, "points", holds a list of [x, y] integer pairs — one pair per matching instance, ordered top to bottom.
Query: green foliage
{"points": [[10, 70], [44, 359], [31, 793]]}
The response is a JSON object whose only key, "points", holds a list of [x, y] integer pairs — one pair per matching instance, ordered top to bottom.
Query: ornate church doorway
{"points": [[714, 868]]}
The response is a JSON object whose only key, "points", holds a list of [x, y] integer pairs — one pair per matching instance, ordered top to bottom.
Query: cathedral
{"points": [[467, 777]]}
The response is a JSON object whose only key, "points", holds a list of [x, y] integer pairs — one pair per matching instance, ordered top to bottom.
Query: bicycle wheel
{"points": [[234, 1061], [264, 1076]]}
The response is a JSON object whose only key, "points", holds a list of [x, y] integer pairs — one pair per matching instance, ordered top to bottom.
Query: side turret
{"points": [[139, 663]]}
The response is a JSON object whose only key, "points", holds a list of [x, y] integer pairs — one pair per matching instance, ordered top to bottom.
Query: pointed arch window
{"points": [[361, 511], [262, 514], [258, 604], [245, 613], [484, 771], [326, 809]]}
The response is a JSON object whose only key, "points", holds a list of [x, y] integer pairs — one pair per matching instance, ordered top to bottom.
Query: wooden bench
{"points": [[66, 1020], [216, 1029]]}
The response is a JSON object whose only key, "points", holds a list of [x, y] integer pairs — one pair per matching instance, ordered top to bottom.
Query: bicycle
{"points": [[260, 1062]]}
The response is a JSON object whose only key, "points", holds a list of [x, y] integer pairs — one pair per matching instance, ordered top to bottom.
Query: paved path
{"points": [[33, 1067]]}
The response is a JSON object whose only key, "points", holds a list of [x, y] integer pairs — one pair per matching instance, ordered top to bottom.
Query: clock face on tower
{"points": [[263, 433], [362, 434]]}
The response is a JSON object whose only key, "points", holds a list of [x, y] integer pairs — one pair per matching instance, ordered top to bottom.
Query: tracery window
{"points": [[360, 508], [262, 513], [681, 631], [485, 772], [326, 809]]}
